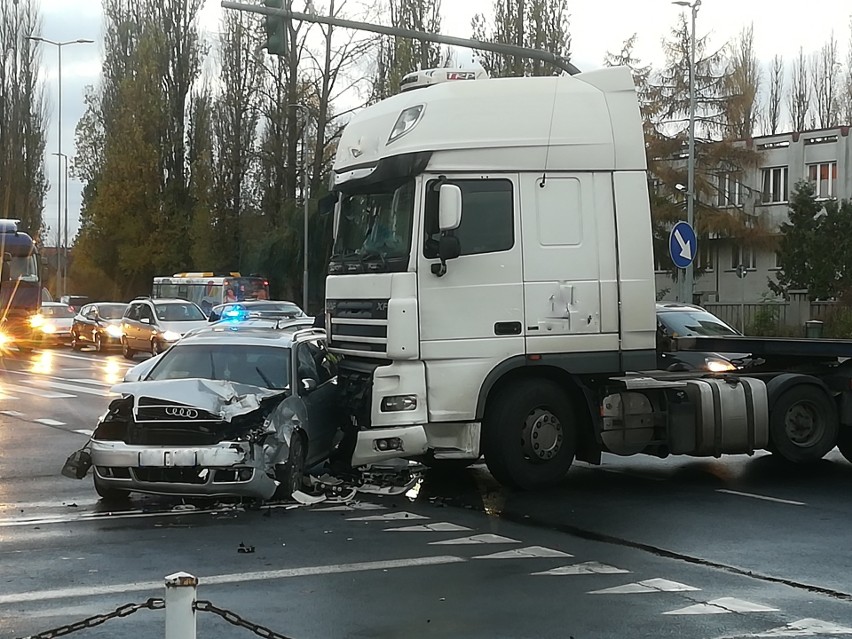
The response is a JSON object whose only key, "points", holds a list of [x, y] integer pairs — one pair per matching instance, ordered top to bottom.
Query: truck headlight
{"points": [[406, 121], [113, 331], [171, 336], [716, 365], [398, 403]]}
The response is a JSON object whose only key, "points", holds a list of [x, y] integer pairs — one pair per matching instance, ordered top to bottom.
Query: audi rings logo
{"points": [[186, 413]]}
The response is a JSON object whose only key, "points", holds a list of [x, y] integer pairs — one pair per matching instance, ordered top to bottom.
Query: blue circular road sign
{"points": [[683, 245]]}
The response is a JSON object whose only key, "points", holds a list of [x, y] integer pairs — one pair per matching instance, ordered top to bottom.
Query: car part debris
{"points": [[78, 463], [306, 499], [246, 550]]}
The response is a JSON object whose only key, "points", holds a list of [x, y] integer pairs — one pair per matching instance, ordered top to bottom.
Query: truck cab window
{"points": [[487, 224]]}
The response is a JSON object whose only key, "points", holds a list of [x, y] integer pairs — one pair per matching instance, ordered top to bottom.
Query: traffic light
{"points": [[276, 30]]}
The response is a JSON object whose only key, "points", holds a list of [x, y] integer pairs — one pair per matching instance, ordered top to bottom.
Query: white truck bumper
{"points": [[380, 444]]}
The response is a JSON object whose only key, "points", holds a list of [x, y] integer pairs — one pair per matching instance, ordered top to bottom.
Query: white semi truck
{"points": [[491, 292]]}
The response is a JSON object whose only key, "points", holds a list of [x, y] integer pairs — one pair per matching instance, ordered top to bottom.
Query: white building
{"points": [[824, 157]]}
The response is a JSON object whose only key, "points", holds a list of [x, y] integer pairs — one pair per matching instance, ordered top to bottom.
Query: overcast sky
{"points": [[597, 26]]}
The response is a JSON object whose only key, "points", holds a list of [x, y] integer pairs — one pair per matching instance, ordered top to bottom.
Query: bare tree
{"points": [[825, 85], [800, 94], [846, 99], [772, 114]]}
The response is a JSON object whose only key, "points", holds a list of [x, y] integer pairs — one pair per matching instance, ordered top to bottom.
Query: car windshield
{"points": [[376, 225], [57, 311], [111, 311], [179, 313], [689, 323], [264, 366]]}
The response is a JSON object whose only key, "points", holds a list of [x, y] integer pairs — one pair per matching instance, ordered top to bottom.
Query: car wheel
{"points": [[75, 342], [99, 343], [156, 347], [126, 350], [803, 424], [529, 435], [291, 473], [108, 493]]}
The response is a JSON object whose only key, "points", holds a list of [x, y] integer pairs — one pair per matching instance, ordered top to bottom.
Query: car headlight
{"points": [[406, 121], [36, 321], [47, 327], [114, 331], [171, 336], [4, 339], [717, 365]]}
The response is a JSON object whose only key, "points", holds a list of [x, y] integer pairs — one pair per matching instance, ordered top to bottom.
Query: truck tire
{"points": [[803, 424], [529, 434], [844, 442], [108, 493]]}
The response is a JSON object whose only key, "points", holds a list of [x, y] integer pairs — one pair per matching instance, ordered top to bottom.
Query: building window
{"points": [[823, 176], [774, 183], [730, 191], [742, 255], [704, 259]]}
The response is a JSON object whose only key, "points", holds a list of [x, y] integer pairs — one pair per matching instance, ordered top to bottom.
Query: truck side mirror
{"points": [[449, 208]]}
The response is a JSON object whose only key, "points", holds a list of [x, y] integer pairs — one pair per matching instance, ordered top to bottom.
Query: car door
{"points": [[130, 324], [147, 326], [80, 327], [316, 385]]}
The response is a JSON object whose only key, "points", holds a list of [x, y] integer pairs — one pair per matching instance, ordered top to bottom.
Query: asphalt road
{"points": [[638, 547]]}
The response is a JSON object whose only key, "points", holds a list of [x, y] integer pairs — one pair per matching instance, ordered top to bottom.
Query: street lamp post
{"points": [[306, 112], [58, 153], [65, 231], [688, 282]]}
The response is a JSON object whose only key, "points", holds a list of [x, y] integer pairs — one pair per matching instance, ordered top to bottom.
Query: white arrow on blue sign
{"points": [[683, 245]]}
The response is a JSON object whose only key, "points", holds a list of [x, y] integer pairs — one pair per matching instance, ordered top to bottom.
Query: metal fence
{"points": [[747, 316]]}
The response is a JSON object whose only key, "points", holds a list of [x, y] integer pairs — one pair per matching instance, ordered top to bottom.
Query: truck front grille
{"points": [[359, 327]]}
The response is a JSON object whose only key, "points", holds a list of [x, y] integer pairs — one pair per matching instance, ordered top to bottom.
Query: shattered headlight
{"points": [[397, 403]]}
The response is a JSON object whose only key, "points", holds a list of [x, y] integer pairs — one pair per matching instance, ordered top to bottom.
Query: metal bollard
{"points": [[180, 610]]}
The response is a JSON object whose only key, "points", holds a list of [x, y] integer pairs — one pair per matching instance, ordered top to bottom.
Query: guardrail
{"points": [[181, 606]]}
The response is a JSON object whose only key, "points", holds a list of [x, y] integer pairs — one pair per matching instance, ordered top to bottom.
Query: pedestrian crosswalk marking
{"points": [[93, 382], [49, 383], [46, 394], [5, 396], [11, 413], [48, 422], [87, 433], [388, 517], [441, 526], [487, 538], [526, 553], [585, 568], [647, 586], [725, 605]]}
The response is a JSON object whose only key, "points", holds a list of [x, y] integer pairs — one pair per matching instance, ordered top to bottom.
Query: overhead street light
{"points": [[307, 114], [65, 233], [688, 280], [60, 284]]}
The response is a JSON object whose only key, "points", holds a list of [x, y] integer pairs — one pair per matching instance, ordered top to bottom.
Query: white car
{"points": [[53, 323]]}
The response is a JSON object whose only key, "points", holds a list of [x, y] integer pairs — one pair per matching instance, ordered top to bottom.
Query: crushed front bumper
{"points": [[226, 469]]}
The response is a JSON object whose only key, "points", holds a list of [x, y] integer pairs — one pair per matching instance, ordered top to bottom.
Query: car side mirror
{"points": [[449, 207], [145, 320], [309, 385]]}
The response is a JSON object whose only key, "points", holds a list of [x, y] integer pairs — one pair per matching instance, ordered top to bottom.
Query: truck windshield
{"points": [[376, 225], [24, 268]]}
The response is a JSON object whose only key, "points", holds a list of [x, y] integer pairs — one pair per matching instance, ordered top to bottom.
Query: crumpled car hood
{"points": [[221, 398]]}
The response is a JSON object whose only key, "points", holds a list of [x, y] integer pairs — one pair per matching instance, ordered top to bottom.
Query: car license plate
{"points": [[167, 458]]}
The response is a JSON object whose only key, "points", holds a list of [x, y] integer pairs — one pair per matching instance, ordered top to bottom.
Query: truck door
{"points": [[570, 283], [472, 317]]}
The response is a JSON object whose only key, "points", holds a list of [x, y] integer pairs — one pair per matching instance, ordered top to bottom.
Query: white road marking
{"points": [[96, 360], [93, 382], [50, 383], [37, 392], [5, 396], [11, 413], [48, 422], [83, 431], [762, 497], [364, 505], [388, 517], [441, 526], [487, 538], [526, 553], [585, 568], [215, 580], [649, 585], [725, 605], [805, 628]]}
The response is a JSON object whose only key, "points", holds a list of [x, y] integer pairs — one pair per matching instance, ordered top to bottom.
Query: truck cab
{"points": [[20, 287]]}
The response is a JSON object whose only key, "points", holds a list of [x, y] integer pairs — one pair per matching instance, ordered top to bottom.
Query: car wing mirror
{"points": [[145, 320], [309, 385]]}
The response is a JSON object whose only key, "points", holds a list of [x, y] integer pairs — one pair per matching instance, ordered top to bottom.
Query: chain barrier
{"points": [[126, 610], [234, 619]]}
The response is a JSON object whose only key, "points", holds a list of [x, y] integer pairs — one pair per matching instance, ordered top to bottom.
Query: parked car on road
{"points": [[243, 310], [687, 320], [53, 323], [98, 325], [152, 325], [239, 411]]}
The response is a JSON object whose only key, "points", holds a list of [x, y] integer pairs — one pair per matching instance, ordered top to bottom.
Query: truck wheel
{"points": [[126, 350], [803, 424], [529, 436], [844, 442], [291, 473], [108, 493]]}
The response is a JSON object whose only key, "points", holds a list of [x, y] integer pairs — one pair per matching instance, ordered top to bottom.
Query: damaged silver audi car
{"points": [[239, 411]]}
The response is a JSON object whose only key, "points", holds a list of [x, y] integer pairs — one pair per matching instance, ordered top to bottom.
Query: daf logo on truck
{"points": [[513, 253]]}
